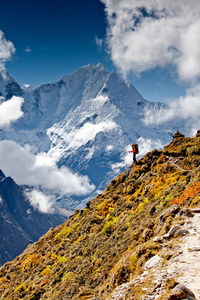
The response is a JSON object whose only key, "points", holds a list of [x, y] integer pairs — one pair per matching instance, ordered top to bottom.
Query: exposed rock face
{"points": [[198, 133], [172, 211], [187, 212], [173, 230], [182, 232], [152, 262], [188, 293]]}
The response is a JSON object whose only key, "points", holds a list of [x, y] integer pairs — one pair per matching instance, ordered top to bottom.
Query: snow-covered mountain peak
{"points": [[86, 71], [28, 88], [123, 95], [51, 102]]}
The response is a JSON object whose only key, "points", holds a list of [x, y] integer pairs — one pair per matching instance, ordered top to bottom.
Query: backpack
{"points": [[136, 149]]}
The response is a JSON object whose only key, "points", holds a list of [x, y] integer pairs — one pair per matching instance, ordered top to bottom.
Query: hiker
{"points": [[134, 151]]}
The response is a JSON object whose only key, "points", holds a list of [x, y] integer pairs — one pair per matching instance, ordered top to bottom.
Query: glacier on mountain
{"points": [[86, 122]]}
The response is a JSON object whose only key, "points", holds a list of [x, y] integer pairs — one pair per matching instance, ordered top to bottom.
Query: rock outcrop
{"points": [[177, 134]]}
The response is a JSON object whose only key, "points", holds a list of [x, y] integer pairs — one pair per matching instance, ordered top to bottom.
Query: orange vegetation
{"points": [[191, 192]]}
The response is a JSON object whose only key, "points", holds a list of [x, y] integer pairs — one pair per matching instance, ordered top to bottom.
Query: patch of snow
{"points": [[109, 148]]}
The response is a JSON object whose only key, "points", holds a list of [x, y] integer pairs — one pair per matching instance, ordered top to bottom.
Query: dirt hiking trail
{"points": [[187, 263], [184, 266]]}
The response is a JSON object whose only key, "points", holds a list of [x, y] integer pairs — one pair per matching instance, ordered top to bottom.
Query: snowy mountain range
{"points": [[84, 122]]}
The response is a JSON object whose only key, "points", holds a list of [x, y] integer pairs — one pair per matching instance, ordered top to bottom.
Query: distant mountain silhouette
{"points": [[20, 223]]}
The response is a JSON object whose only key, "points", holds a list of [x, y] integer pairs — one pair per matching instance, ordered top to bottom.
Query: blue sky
{"points": [[53, 38]]}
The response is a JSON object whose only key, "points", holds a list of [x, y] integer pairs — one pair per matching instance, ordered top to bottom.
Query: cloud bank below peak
{"points": [[143, 35], [186, 108], [10, 111], [40, 170]]}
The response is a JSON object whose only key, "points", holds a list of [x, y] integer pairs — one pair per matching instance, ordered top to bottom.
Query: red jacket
{"points": [[133, 149]]}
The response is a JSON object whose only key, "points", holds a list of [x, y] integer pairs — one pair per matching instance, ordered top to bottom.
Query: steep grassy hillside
{"points": [[108, 243]]}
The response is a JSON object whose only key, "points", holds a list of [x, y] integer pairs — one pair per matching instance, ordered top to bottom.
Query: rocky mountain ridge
{"points": [[121, 244]]}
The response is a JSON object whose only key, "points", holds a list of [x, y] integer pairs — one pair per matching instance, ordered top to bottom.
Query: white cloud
{"points": [[145, 34], [99, 42], [7, 49], [28, 49], [185, 108], [10, 111], [88, 131], [145, 145], [126, 160], [27, 168], [40, 201]]}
